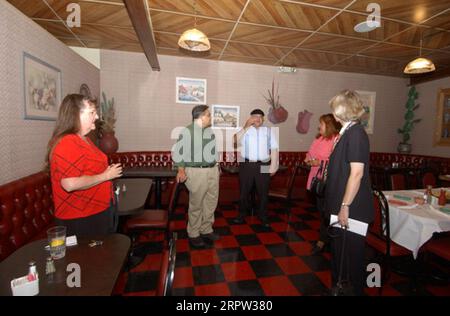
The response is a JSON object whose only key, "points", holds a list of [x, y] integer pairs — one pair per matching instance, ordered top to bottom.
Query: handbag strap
{"points": [[325, 171], [319, 172], [341, 268]]}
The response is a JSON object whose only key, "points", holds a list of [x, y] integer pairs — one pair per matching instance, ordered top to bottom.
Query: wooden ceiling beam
{"points": [[140, 18]]}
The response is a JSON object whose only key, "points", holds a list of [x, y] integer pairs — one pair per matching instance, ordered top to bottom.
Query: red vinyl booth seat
{"points": [[26, 209]]}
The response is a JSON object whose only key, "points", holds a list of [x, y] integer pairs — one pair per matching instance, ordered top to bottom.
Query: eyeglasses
{"points": [[90, 112]]}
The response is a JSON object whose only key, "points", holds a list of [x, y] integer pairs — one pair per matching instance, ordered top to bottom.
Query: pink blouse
{"points": [[320, 149]]}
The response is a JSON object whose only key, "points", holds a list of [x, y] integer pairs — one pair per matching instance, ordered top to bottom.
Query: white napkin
{"points": [[407, 207]]}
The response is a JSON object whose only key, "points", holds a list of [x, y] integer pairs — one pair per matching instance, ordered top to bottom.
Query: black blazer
{"points": [[352, 147]]}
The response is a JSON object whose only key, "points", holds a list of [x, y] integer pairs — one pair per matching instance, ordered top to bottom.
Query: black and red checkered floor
{"points": [[250, 259]]}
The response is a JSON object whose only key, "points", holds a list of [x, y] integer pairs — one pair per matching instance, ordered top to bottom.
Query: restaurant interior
{"points": [[147, 64]]}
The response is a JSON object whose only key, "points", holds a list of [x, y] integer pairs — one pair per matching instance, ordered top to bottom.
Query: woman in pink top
{"points": [[318, 153]]}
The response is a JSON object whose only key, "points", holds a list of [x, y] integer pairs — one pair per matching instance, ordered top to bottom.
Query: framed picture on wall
{"points": [[42, 89], [191, 91], [225, 116], [367, 120]]}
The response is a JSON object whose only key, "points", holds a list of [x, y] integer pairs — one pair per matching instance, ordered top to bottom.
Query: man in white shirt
{"points": [[259, 151]]}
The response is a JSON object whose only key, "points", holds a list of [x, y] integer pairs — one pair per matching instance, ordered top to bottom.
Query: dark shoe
{"points": [[238, 220], [265, 222], [210, 237], [197, 243], [317, 249]]}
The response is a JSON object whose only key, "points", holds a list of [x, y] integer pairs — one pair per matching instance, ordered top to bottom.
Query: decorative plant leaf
{"points": [[274, 98], [108, 115], [409, 115]]}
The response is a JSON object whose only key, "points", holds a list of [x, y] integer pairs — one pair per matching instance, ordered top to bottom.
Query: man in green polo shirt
{"points": [[194, 155]]}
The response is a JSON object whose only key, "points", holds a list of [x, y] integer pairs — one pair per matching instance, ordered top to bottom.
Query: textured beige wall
{"points": [[147, 111], [423, 133], [23, 142]]}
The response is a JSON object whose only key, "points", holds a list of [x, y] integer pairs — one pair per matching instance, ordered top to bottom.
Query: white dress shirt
{"points": [[257, 143]]}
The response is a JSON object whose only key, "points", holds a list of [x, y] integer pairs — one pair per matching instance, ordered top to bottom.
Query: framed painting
{"points": [[42, 89], [191, 91], [225, 116], [367, 120]]}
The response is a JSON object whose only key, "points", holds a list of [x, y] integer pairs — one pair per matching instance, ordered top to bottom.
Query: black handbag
{"points": [[318, 182], [343, 286]]}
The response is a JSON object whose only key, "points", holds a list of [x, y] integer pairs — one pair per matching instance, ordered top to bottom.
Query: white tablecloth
{"points": [[413, 225]]}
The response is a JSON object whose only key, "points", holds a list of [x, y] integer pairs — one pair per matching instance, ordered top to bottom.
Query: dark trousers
{"points": [[249, 174], [324, 220], [100, 224], [354, 268]]}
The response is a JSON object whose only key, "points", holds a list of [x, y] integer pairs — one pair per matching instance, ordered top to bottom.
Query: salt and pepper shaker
{"points": [[428, 195], [50, 266], [32, 271]]}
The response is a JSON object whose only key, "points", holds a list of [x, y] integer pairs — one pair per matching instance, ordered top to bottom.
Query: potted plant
{"points": [[277, 113], [108, 142], [404, 147]]}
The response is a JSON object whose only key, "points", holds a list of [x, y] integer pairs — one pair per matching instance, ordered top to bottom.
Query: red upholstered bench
{"points": [[26, 209]]}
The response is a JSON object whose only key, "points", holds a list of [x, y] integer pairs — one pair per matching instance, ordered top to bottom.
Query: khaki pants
{"points": [[203, 186]]}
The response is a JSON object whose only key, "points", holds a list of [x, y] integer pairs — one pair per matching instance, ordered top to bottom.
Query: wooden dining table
{"points": [[156, 173], [132, 194], [100, 266]]}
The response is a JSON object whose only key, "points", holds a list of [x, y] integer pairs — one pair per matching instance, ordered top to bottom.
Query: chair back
{"points": [[428, 178], [291, 181], [398, 181], [173, 201], [380, 227], [167, 270]]}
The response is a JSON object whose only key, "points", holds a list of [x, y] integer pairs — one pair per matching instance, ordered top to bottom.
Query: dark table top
{"points": [[235, 169], [149, 172], [132, 200], [100, 266]]}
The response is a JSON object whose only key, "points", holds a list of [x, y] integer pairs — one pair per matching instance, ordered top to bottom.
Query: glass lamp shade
{"points": [[194, 40], [419, 66]]}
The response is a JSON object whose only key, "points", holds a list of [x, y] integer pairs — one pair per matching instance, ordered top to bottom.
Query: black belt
{"points": [[258, 161]]}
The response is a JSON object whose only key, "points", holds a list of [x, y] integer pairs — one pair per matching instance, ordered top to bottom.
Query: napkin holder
{"points": [[23, 287]]}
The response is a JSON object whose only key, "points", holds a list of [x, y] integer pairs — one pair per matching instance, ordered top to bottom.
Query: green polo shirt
{"points": [[196, 147]]}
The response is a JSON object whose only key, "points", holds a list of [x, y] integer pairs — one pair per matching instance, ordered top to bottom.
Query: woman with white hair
{"points": [[348, 191]]}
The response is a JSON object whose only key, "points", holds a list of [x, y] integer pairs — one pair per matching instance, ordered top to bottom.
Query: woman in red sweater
{"points": [[79, 171]]}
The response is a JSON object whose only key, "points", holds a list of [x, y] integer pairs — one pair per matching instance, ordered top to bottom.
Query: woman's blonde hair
{"points": [[347, 106]]}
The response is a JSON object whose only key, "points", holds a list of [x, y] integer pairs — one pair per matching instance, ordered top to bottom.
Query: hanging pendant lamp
{"points": [[193, 39], [419, 65]]}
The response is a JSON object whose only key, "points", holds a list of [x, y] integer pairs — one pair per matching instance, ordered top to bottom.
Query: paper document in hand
{"points": [[354, 226]]}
